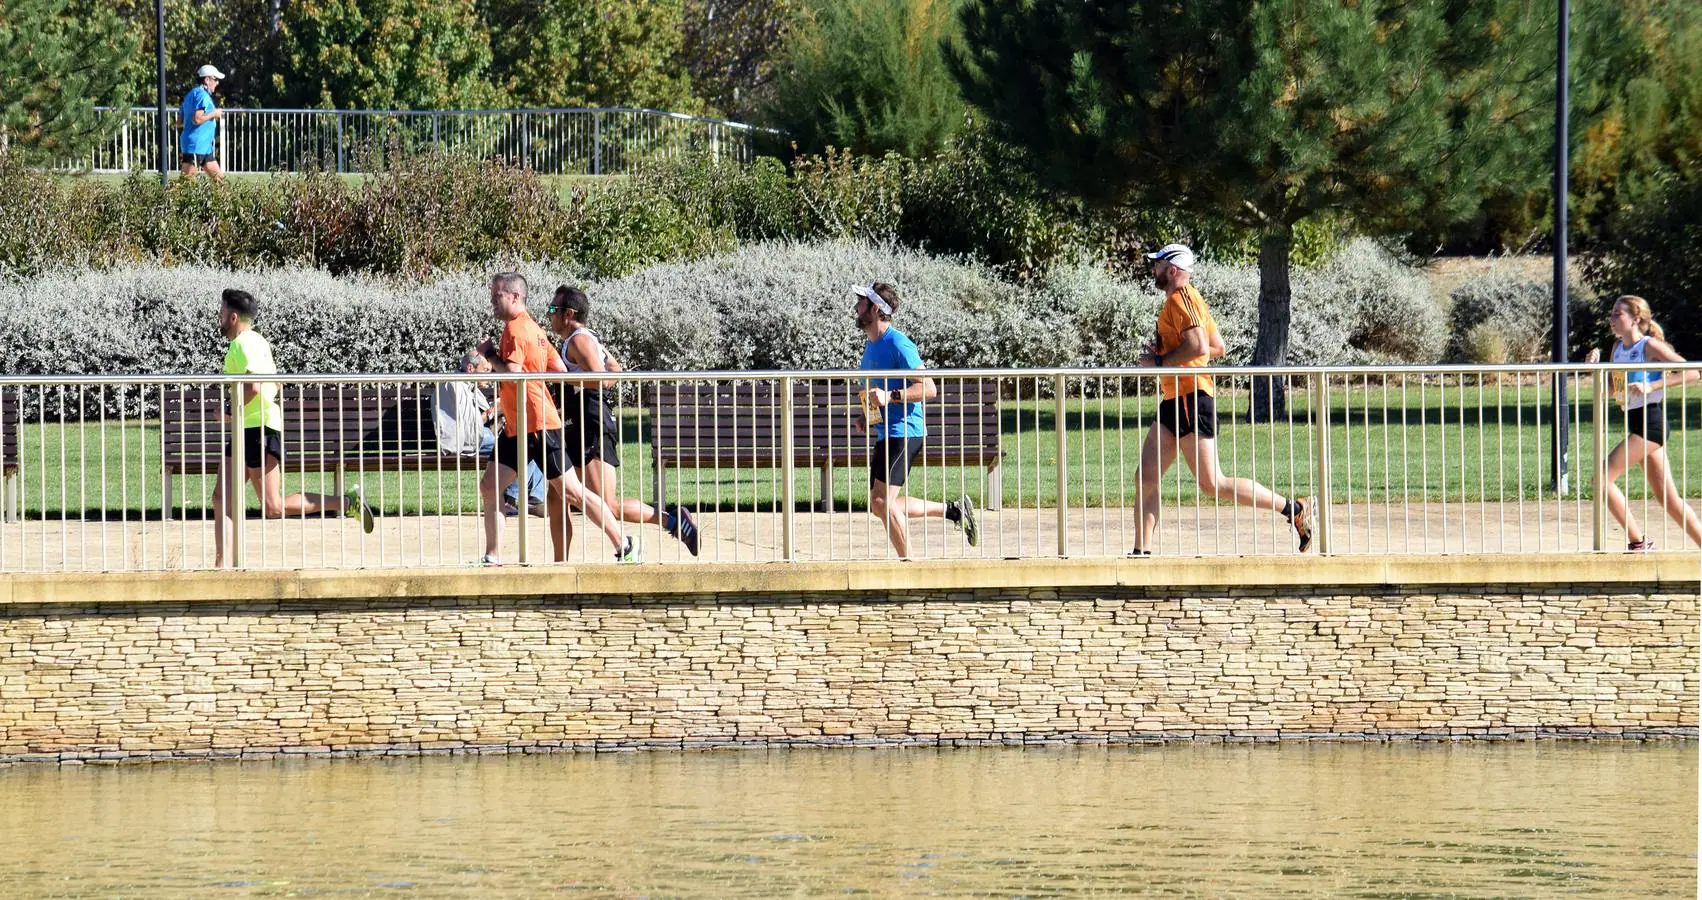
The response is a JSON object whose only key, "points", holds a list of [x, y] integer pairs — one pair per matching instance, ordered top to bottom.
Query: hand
{"points": [[1594, 356], [1148, 360], [1637, 388], [881, 396], [858, 426]]}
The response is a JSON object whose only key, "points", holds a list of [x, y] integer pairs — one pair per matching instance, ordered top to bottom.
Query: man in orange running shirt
{"points": [[524, 347], [1187, 413]]}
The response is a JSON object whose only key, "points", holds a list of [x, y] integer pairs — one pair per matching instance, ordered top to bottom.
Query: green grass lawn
{"points": [[1436, 443]]}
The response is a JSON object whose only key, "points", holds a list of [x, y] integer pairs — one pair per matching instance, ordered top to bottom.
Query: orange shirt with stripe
{"points": [[1184, 308], [525, 345]]}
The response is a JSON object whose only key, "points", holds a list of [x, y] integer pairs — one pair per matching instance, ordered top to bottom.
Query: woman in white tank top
{"points": [[1641, 394], [592, 431]]}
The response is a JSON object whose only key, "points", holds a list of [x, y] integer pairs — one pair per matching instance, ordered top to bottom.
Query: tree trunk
{"points": [[1269, 399]]}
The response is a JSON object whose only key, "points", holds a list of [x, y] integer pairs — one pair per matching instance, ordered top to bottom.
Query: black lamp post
{"points": [[163, 133], [1561, 443]]}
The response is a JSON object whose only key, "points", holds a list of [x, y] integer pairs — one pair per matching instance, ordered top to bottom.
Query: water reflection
{"points": [[1367, 821]]}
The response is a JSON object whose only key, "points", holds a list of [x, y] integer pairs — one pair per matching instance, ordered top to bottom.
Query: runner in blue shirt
{"points": [[200, 125], [897, 439]]}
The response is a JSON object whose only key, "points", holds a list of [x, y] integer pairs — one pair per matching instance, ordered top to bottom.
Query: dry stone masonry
{"points": [[136, 681]]}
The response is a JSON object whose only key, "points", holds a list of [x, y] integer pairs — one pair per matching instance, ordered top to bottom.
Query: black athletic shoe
{"points": [[966, 520], [1303, 520], [685, 527], [1643, 546], [1138, 553]]}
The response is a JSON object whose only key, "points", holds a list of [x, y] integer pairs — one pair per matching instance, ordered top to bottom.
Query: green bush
{"points": [[1517, 309]]}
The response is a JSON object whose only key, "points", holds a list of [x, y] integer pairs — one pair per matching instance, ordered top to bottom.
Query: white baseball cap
{"points": [[209, 72], [1177, 255]]}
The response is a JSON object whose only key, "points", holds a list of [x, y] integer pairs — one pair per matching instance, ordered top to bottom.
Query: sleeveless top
{"points": [[1637, 353], [567, 359]]}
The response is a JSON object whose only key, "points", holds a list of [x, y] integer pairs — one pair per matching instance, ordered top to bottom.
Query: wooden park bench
{"points": [[701, 425], [327, 428]]}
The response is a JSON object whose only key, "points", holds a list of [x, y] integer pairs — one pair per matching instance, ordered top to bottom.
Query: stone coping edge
{"points": [[1679, 571], [1199, 736]]}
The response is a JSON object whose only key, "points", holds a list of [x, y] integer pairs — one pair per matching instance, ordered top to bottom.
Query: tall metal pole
{"points": [[162, 132], [1561, 444]]}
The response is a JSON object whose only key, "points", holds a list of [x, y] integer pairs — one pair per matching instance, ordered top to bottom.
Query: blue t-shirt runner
{"points": [[197, 140], [896, 442]]}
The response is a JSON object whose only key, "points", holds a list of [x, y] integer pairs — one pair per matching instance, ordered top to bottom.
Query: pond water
{"points": [[1606, 819]]}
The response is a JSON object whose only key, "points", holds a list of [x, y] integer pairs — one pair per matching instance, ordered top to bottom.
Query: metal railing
{"points": [[588, 141], [116, 473]]}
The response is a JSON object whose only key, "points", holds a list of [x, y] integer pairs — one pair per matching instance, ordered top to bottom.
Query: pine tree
{"points": [[55, 69], [1389, 113]]}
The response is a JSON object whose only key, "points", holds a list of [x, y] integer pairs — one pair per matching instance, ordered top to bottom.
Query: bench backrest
{"points": [[11, 417], [697, 424], [324, 425]]}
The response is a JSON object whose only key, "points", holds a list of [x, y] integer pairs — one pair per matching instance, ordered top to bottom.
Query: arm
{"points": [[203, 116], [1194, 345], [584, 351], [1662, 351], [917, 391]]}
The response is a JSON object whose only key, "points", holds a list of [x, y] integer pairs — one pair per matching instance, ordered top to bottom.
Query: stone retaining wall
{"points": [[121, 681]]}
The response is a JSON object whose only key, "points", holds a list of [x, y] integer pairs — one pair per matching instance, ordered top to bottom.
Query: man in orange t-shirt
{"points": [[524, 347], [1187, 413]]}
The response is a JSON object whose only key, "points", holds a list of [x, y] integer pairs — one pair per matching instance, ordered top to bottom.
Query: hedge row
{"points": [[773, 305]]}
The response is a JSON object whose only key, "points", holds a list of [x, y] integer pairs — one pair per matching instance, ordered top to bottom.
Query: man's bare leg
{"points": [[1158, 452], [269, 485], [490, 497], [224, 499], [561, 526]]}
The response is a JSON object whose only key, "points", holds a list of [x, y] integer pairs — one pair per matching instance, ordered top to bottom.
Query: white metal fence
{"points": [[590, 141], [115, 473]]}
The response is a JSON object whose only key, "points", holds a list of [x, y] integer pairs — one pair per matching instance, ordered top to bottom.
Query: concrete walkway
{"points": [[733, 538]]}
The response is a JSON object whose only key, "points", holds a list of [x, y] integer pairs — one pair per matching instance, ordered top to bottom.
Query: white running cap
{"points": [[209, 72], [1177, 255]]}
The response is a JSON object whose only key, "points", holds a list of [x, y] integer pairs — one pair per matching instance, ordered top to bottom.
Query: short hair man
{"points": [[200, 126], [524, 347], [1187, 415], [263, 434], [897, 440]]}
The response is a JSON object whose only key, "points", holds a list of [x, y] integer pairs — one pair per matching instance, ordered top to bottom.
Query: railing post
{"points": [[339, 116], [221, 128], [125, 138], [436, 138], [526, 138], [596, 143], [1058, 415], [1321, 425], [519, 467], [788, 472], [237, 478], [1598, 484]]}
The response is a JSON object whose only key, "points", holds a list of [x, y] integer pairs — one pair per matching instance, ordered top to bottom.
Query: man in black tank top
{"points": [[592, 431]]}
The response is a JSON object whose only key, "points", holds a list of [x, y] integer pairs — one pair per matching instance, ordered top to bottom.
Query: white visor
{"points": [[868, 293]]}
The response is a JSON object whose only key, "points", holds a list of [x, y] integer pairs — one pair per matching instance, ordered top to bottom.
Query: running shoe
{"points": [[357, 508], [539, 509], [966, 520], [1303, 520], [683, 527], [1643, 546], [628, 552], [1137, 553], [488, 561]]}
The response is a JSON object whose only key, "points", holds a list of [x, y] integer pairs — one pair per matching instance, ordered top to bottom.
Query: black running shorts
{"points": [[1192, 413]]}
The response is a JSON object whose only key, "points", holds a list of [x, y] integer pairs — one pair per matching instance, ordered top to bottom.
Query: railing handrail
{"points": [[545, 110], [846, 374]]}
